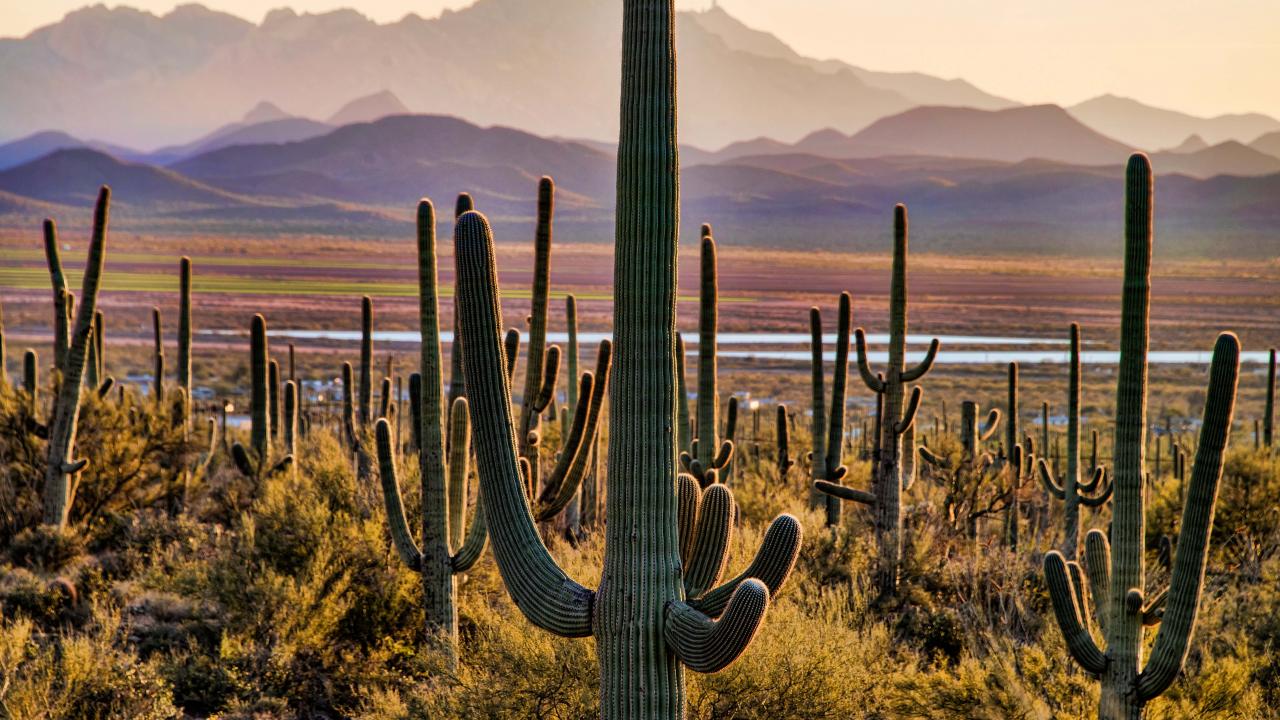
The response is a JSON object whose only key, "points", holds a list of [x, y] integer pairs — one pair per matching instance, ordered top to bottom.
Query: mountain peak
{"points": [[369, 108], [265, 111], [1193, 143]]}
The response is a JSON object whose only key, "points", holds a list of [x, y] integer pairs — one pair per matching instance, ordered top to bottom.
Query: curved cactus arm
{"points": [[925, 365], [550, 376], [873, 383], [105, 388], [909, 413], [989, 427], [458, 453], [240, 456], [723, 456], [930, 457], [571, 468], [1099, 475], [561, 484], [1051, 485], [845, 493], [688, 499], [1100, 499], [396, 520], [475, 542], [710, 549], [1097, 563], [772, 565], [1078, 582], [1186, 582], [537, 585], [1066, 609], [1153, 612], [707, 645]]}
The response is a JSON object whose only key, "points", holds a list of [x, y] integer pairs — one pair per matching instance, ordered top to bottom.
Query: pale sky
{"points": [[1205, 57]]}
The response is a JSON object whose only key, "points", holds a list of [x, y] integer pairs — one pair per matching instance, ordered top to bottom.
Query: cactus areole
{"points": [[656, 608]]}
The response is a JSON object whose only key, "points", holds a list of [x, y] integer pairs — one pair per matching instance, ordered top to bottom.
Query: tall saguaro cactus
{"points": [[61, 322], [184, 331], [542, 367], [365, 407], [66, 410], [1269, 418], [707, 453], [258, 463], [827, 464], [889, 478], [1070, 490], [665, 539], [1117, 573]]}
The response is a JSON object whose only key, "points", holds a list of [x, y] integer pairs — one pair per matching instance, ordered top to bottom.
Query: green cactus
{"points": [[61, 321], [185, 329], [157, 358], [542, 368], [31, 380], [457, 385], [273, 398], [365, 406], [1011, 411], [290, 418], [1269, 418], [707, 452], [256, 462], [827, 462], [785, 463], [1015, 475], [890, 478], [58, 488], [1070, 490], [573, 511], [444, 552], [1116, 571], [653, 613]]}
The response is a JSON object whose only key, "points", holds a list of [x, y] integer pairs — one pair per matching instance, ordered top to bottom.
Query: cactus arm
{"points": [[61, 326], [511, 345], [366, 361], [925, 365], [550, 376], [873, 383], [909, 414], [989, 427], [684, 433], [240, 456], [459, 456], [929, 457], [571, 468], [1099, 474], [1050, 484], [845, 493], [688, 499], [1100, 499], [399, 524], [474, 544], [710, 548], [1097, 561], [772, 565], [1186, 582], [1078, 583], [542, 591], [1066, 609], [1153, 612], [707, 645]]}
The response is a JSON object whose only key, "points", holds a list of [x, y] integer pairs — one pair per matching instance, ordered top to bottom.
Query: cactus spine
{"points": [[66, 411], [827, 466], [890, 479], [1070, 489], [1117, 582], [652, 613]]}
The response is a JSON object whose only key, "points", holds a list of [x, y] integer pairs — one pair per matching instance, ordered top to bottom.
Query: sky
{"points": [[1205, 57]]}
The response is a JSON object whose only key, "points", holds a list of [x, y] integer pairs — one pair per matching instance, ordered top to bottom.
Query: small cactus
{"points": [[827, 461], [785, 463]]}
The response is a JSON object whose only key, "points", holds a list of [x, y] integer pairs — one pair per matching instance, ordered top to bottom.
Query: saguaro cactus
{"points": [[61, 322], [184, 329], [4, 358], [157, 358], [542, 366], [31, 379], [457, 387], [365, 407], [66, 411], [1269, 418], [684, 424], [783, 434], [707, 452], [258, 463], [827, 465], [889, 478], [1070, 490], [1118, 582], [653, 612]]}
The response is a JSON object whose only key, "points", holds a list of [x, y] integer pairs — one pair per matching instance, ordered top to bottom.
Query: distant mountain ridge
{"points": [[1142, 125]]}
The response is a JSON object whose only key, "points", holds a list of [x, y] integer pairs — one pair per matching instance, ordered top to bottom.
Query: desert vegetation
{"points": [[424, 546]]}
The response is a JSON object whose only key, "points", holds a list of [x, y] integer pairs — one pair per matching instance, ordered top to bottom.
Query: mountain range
{"points": [[131, 78], [365, 179]]}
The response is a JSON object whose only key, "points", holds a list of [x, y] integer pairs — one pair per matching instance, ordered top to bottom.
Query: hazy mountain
{"points": [[137, 78], [918, 88], [369, 108], [264, 123], [1148, 127], [1041, 131], [42, 143], [1193, 143], [1269, 144], [1228, 158], [365, 179]]}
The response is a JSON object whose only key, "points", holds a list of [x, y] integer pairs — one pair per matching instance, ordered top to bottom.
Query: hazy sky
{"points": [[1201, 56]]}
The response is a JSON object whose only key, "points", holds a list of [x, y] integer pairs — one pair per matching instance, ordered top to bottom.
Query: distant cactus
{"points": [[61, 321], [184, 329], [4, 357], [157, 358], [542, 366], [31, 379], [457, 385], [365, 407], [1268, 419], [1011, 436], [707, 452], [257, 461], [827, 461], [785, 463], [890, 479], [58, 487], [1070, 489], [665, 538], [1118, 582]]}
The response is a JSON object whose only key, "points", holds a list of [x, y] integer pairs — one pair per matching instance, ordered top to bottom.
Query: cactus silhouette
{"points": [[707, 452], [827, 459], [1116, 573], [655, 609]]}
